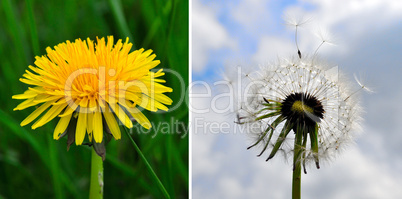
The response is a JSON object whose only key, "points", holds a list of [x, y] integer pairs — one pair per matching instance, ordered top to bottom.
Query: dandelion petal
{"points": [[36, 113], [141, 119], [111, 123], [61, 126], [98, 127], [81, 128]]}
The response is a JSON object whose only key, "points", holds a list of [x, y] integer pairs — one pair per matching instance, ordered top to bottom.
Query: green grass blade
{"points": [[118, 14], [32, 27], [14, 30], [23, 135], [168, 154], [54, 167], [151, 171]]}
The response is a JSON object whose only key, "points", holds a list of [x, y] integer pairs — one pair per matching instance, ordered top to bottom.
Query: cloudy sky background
{"points": [[368, 42]]}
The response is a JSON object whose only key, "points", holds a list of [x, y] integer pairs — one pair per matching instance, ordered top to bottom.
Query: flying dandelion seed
{"points": [[88, 85]]}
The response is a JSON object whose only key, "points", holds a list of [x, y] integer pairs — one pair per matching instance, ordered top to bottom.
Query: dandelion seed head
{"points": [[307, 91]]}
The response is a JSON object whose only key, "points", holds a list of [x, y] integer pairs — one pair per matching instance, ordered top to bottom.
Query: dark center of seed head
{"points": [[302, 108]]}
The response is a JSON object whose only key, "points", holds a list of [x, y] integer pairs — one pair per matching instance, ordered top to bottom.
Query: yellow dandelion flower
{"points": [[88, 85]]}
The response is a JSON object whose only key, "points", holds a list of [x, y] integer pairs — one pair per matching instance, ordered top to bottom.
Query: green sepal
{"points": [[271, 101], [272, 104], [265, 109], [260, 111], [272, 114], [273, 126], [285, 131], [261, 138], [314, 145], [100, 148], [304, 153]]}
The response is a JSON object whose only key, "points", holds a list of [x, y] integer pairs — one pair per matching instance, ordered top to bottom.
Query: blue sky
{"points": [[247, 33], [246, 37]]}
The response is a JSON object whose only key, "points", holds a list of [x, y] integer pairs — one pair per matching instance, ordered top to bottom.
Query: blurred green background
{"points": [[32, 164]]}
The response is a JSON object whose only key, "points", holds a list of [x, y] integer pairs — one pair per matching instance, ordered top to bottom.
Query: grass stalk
{"points": [[118, 14], [32, 28], [15, 31], [148, 166], [54, 168]]}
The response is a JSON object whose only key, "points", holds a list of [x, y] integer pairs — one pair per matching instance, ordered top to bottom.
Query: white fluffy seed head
{"points": [[276, 81]]}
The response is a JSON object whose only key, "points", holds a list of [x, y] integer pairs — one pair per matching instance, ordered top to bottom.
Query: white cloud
{"points": [[357, 13], [252, 15], [207, 34], [271, 47], [204, 161], [354, 175], [233, 184]]}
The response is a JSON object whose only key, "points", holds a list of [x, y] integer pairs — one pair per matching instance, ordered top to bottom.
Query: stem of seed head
{"points": [[297, 46], [316, 50], [354, 93]]}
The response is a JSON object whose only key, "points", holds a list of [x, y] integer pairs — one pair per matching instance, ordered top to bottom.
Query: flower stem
{"points": [[296, 183], [96, 186]]}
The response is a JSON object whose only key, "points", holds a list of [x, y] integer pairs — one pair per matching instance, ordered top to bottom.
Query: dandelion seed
{"points": [[293, 20], [296, 22], [326, 38], [362, 84], [87, 85]]}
